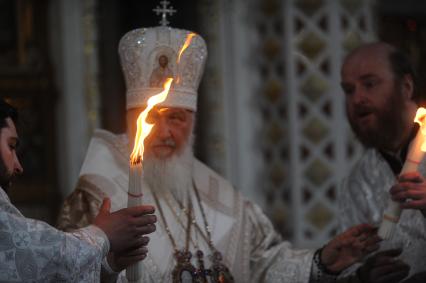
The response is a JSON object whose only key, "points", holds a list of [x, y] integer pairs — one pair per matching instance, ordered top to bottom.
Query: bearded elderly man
{"points": [[381, 101], [208, 230]]}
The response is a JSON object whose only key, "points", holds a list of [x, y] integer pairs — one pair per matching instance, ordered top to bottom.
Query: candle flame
{"points": [[185, 45], [421, 120], [144, 128]]}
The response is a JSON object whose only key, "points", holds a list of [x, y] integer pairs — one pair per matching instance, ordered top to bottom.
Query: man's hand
{"points": [[410, 191], [125, 227], [349, 247], [120, 261], [383, 268]]}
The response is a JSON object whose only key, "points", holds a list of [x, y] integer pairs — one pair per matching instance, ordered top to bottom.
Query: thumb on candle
{"points": [[414, 177], [105, 206]]}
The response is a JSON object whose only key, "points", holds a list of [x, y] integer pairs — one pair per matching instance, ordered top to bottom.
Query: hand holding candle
{"points": [[414, 157], [410, 192]]}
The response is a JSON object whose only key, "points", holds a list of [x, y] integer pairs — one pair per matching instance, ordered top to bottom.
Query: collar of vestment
{"points": [[396, 160], [3, 195]]}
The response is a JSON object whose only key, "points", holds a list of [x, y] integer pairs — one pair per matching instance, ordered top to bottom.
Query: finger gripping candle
{"points": [[415, 155]]}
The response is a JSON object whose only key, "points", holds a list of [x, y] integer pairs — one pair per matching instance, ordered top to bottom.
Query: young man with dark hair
{"points": [[9, 163], [31, 250]]}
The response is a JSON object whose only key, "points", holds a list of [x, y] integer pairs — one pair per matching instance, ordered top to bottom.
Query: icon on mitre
{"points": [[161, 71]]}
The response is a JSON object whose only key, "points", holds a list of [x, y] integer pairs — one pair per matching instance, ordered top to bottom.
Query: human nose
{"points": [[359, 97], [163, 129], [18, 169]]}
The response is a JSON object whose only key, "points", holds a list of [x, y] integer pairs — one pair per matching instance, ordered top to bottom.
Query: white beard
{"points": [[172, 175]]}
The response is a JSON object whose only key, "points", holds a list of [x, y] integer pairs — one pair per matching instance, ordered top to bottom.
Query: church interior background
{"points": [[271, 116]]}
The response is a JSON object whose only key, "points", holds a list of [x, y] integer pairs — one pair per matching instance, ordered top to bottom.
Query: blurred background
{"points": [[271, 117]]}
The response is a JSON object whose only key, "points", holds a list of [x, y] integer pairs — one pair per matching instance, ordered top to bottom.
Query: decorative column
{"points": [[317, 34]]}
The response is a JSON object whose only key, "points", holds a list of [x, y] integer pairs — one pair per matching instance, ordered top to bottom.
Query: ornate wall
{"points": [[275, 120], [307, 145]]}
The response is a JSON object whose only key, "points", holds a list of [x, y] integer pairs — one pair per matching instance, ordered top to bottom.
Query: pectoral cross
{"points": [[165, 11]]}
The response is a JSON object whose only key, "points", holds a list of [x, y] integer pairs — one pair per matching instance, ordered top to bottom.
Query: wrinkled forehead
{"points": [[367, 59], [366, 62], [168, 110], [10, 126], [9, 132]]}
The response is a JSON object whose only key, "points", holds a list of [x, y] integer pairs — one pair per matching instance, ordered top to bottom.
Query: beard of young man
{"points": [[389, 124], [171, 175], [5, 177]]}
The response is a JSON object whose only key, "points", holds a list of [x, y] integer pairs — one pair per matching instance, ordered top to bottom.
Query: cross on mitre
{"points": [[165, 11]]}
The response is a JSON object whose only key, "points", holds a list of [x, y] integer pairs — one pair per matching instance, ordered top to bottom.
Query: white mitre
{"points": [[142, 51]]}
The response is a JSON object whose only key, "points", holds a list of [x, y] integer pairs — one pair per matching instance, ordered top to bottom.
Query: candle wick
{"points": [[136, 161]]}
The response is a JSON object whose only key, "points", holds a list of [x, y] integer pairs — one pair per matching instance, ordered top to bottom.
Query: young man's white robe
{"points": [[33, 251]]}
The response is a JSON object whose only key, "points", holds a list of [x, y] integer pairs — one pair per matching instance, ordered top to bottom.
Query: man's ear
{"points": [[408, 87]]}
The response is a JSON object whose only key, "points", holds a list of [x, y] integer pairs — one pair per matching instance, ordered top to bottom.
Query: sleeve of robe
{"points": [[353, 198], [353, 207], [79, 210], [32, 250], [271, 258], [275, 260]]}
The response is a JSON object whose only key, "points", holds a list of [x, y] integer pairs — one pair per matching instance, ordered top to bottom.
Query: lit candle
{"points": [[414, 157], [134, 272]]}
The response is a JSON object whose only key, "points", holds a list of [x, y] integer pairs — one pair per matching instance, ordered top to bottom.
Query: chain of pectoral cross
{"points": [[188, 213], [183, 258], [218, 272]]}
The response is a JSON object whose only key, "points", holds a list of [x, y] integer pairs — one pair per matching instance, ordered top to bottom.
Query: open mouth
{"points": [[364, 113], [163, 146], [163, 149]]}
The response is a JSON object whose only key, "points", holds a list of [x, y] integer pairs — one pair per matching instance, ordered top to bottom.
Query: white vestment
{"points": [[363, 198], [250, 246], [33, 251]]}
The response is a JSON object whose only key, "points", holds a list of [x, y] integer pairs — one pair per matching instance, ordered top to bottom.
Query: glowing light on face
{"points": [[144, 128]]}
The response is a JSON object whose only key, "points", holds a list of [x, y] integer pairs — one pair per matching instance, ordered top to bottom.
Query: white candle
{"points": [[135, 185], [393, 210], [134, 272]]}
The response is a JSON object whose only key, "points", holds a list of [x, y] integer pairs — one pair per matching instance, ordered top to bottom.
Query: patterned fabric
{"points": [[363, 198], [251, 248], [33, 251]]}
